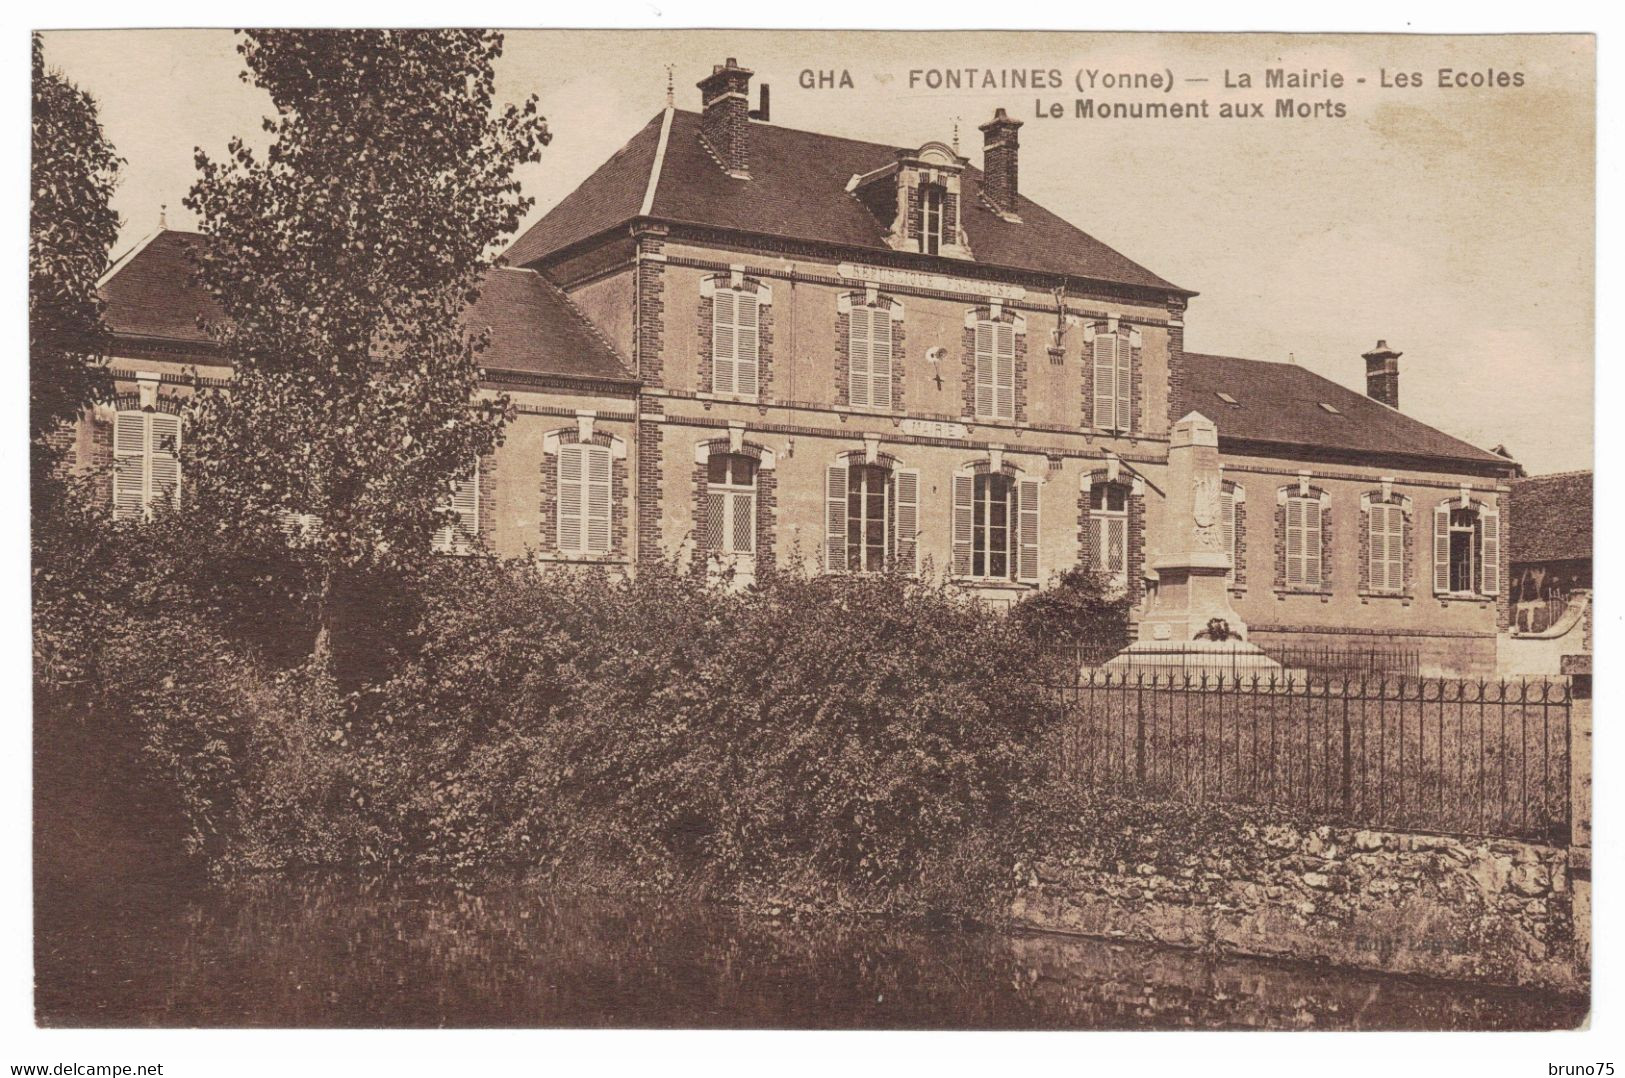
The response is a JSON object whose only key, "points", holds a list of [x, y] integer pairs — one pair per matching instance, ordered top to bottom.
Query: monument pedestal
{"points": [[1178, 636]]}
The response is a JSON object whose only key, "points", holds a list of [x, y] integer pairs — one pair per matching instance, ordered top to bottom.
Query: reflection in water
{"points": [[341, 953]]}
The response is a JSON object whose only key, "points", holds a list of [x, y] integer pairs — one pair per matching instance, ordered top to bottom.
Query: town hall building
{"points": [[743, 346]]}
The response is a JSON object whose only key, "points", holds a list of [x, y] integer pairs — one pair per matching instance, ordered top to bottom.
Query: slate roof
{"points": [[797, 190], [534, 326], [1280, 404], [1550, 518]]}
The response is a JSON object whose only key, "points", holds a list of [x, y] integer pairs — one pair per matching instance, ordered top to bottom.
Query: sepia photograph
{"points": [[811, 530]]}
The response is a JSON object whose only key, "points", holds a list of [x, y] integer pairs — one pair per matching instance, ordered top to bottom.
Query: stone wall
{"points": [[1492, 911]]}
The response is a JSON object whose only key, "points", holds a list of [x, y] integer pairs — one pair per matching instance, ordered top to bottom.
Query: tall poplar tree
{"points": [[72, 228], [342, 258]]}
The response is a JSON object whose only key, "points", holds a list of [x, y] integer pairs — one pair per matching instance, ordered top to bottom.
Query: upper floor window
{"points": [[932, 202], [735, 342], [870, 348], [995, 370], [1113, 381], [146, 462], [584, 475], [730, 504], [872, 517], [1108, 530], [459, 536], [1303, 541], [1385, 546], [1466, 549]]}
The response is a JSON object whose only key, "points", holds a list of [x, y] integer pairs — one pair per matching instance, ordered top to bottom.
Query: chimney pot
{"points": [[1001, 146], [1382, 374]]}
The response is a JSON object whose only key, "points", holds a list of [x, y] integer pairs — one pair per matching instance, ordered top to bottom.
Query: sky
{"points": [[1455, 223]]}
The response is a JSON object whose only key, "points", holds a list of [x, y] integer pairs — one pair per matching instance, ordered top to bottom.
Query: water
{"points": [[341, 953]]}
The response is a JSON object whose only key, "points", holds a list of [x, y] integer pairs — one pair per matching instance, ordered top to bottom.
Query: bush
{"points": [[814, 736], [855, 742]]}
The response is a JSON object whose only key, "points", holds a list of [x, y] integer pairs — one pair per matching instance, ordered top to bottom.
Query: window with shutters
{"points": [[932, 201], [869, 338], [735, 342], [1112, 362], [995, 370], [146, 462], [585, 476], [1231, 498], [730, 504], [872, 517], [995, 526], [461, 535], [1302, 542], [1385, 547], [1466, 549], [1107, 551]]}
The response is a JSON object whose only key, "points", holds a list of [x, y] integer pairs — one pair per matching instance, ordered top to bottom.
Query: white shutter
{"points": [[747, 338], [724, 342], [880, 358], [984, 369], [1004, 370], [859, 382], [1125, 384], [1105, 406], [129, 465], [572, 498], [598, 499], [1227, 510], [835, 518], [908, 519], [964, 522], [1490, 522], [1027, 530], [457, 537], [1294, 542], [1311, 542], [1377, 546], [1396, 548], [1441, 548]]}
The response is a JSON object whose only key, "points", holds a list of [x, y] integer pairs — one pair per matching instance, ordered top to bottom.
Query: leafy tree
{"points": [[72, 229], [342, 258]]}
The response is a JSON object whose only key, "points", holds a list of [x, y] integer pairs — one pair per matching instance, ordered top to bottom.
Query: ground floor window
{"points": [[730, 504], [993, 524], [1108, 530]]}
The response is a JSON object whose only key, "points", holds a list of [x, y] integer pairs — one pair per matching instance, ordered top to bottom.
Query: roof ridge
{"points": [[1570, 474]]}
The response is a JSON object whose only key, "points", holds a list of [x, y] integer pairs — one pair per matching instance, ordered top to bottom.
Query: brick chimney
{"points": [[725, 125], [1000, 145], [1382, 374]]}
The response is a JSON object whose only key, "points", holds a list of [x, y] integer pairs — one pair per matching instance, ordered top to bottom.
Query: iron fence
{"points": [[1458, 757]]}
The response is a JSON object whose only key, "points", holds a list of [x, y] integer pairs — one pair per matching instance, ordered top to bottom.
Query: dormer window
{"points": [[931, 219]]}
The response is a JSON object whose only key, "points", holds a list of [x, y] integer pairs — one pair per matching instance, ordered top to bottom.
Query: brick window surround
{"points": [[993, 313], [705, 330], [1126, 335], [843, 346], [1294, 490], [618, 502], [767, 503], [1407, 545], [1238, 571], [1135, 582]]}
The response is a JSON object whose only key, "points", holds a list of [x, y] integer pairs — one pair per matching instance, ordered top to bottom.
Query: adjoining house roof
{"points": [[797, 190], [534, 327], [1286, 405], [1550, 518]]}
